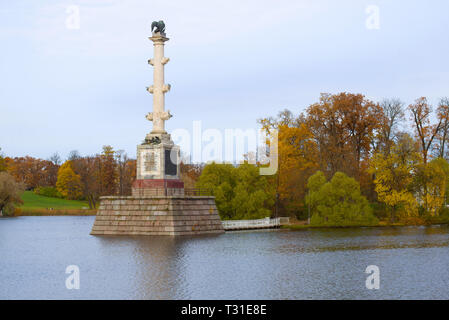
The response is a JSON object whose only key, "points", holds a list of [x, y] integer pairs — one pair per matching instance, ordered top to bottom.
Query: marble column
{"points": [[159, 88]]}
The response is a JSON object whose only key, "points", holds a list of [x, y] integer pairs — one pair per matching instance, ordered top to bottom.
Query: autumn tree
{"points": [[393, 115], [344, 126], [426, 132], [443, 134], [73, 155], [297, 159], [297, 162], [443, 164], [3, 165], [87, 169], [51, 170], [31, 171], [107, 172], [125, 172], [190, 173], [49, 174], [394, 175], [129, 176], [69, 183], [430, 185], [10, 193]]}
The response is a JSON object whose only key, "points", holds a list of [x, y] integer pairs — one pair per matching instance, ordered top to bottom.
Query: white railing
{"points": [[251, 224]]}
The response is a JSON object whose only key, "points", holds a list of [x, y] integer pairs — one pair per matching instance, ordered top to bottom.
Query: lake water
{"points": [[277, 264]]}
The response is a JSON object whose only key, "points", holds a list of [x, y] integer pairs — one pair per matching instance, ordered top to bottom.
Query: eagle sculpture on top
{"points": [[159, 25]]}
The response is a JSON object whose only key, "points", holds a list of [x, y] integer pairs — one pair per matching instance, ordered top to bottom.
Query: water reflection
{"points": [[321, 240], [305, 264]]}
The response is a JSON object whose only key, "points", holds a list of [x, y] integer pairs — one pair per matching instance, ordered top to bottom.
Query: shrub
{"points": [[10, 192], [51, 192], [240, 192], [338, 202]]}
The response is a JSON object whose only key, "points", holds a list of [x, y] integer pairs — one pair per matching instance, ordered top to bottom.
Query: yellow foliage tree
{"points": [[297, 159], [394, 176], [69, 183], [430, 186]]}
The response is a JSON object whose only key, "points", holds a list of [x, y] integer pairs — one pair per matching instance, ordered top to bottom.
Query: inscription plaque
{"points": [[151, 161], [171, 168]]}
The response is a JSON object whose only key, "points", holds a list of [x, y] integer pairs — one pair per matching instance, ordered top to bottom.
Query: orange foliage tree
{"points": [[344, 127], [297, 159], [32, 172], [107, 172]]}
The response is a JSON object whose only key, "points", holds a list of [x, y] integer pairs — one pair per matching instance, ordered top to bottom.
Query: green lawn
{"points": [[35, 201]]}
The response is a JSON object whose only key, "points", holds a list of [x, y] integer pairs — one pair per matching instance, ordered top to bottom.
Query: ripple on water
{"points": [[281, 264]]}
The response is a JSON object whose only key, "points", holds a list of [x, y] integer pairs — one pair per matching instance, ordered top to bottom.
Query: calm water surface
{"points": [[311, 264]]}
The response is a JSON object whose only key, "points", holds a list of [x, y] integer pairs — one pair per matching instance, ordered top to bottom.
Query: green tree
{"points": [[220, 179], [69, 183], [314, 185], [240, 192], [10, 193], [252, 194], [338, 202]]}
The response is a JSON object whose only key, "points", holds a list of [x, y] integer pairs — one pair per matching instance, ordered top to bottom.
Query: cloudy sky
{"points": [[67, 86]]}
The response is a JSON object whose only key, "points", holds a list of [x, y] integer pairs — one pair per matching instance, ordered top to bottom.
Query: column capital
{"points": [[158, 38]]}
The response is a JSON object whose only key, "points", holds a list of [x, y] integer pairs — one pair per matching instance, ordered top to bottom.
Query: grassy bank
{"points": [[37, 205], [303, 226]]}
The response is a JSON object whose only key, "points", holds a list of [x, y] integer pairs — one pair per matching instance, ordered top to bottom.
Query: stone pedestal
{"points": [[157, 187], [157, 215]]}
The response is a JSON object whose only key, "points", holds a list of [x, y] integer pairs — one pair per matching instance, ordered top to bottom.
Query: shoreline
{"points": [[55, 212], [293, 226], [296, 227]]}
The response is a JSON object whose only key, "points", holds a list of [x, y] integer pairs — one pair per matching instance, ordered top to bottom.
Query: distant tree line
{"points": [[345, 160], [400, 166], [110, 172], [87, 178]]}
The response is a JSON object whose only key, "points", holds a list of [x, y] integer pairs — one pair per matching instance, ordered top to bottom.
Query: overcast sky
{"points": [[231, 62]]}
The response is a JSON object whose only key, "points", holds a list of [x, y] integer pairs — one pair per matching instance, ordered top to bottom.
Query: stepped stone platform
{"points": [[157, 215]]}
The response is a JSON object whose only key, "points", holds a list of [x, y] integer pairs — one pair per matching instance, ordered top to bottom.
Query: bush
{"points": [[51, 192], [240, 192], [10, 193], [338, 202], [380, 210], [300, 212], [444, 213], [442, 218], [414, 221]]}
